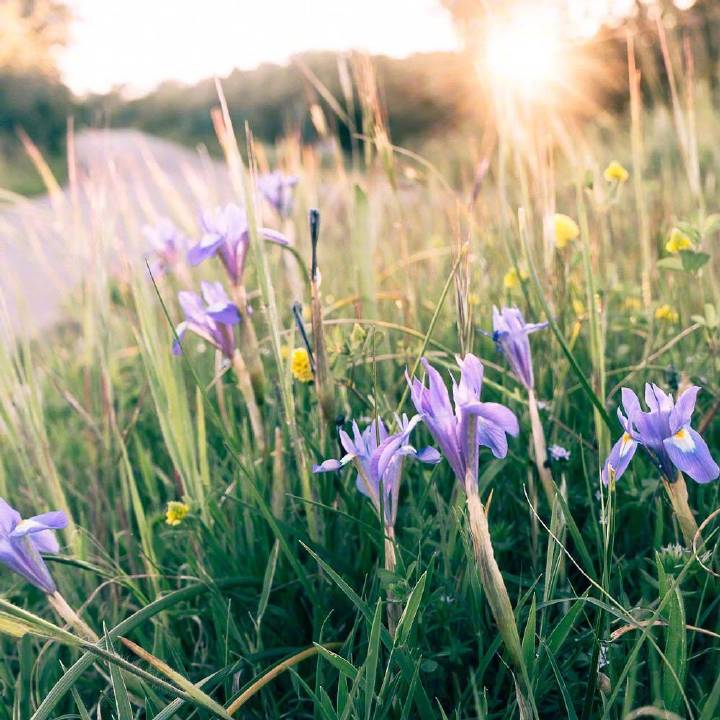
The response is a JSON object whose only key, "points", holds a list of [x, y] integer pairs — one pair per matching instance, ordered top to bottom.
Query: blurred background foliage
{"points": [[427, 95]]}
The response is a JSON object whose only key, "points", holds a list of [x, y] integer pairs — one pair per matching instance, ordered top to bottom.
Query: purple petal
{"points": [[274, 236], [206, 248], [191, 304], [227, 313], [180, 331], [437, 397], [656, 399], [630, 402], [681, 414], [499, 415], [491, 436], [690, 453], [429, 455], [619, 458], [327, 466], [9, 517], [55, 520], [46, 542]]}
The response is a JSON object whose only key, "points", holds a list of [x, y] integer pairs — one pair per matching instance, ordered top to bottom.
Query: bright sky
{"points": [[139, 43]]}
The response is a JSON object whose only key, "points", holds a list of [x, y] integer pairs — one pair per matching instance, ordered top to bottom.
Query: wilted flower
{"points": [[615, 172], [278, 189], [566, 230], [226, 233], [678, 241], [167, 243], [513, 278], [666, 313], [211, 317], [510, 334], [300, 365], [450, 426], [665, 433], [558, 453], [378, 457], [176, 512], [22, 541]]}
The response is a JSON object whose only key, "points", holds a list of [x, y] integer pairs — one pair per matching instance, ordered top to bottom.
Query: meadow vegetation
{"points": [[207, 571]]}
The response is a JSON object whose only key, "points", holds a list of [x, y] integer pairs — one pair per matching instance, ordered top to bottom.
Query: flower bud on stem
{"points": [[323, 377]]}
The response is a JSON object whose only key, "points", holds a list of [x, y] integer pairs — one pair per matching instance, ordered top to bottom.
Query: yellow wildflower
{"points": [[615, 172], [566, 230], [678, 241], [512, 279], [473, 299], [632, 303], [578, 307], [665, 313], [300, 365], [176, 512]]}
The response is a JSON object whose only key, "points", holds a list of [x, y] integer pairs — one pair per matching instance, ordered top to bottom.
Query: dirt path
{"points": [[125, 180]]}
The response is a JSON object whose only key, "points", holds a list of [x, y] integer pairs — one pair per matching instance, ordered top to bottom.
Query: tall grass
{"points": [[268, 599]]}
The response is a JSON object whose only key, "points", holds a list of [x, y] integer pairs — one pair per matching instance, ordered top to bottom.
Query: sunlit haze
{"points": [[138, 44]]}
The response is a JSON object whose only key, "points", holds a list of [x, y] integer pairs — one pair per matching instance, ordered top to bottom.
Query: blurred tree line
{"points": [[423, 95]]}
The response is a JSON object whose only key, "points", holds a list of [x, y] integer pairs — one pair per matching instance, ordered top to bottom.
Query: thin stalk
{"points": [[245, 386], [540, 449], [394, 609], [66, 613]]}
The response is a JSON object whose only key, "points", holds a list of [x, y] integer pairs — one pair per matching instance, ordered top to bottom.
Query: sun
{"points": [[522, 54]]}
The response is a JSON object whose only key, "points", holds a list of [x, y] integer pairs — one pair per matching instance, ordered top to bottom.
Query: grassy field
{"points": [[528, 589]]}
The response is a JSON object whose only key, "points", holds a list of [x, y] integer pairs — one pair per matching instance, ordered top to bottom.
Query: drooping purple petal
{"points": [[690, 453], [620, 456], [22, 541]]}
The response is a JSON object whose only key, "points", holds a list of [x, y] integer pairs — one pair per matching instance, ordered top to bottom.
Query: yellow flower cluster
{"points": [[615, 172], [566, 230], [678, 241], [513, 278], [665, 313], [300, 365], [176, 512]]}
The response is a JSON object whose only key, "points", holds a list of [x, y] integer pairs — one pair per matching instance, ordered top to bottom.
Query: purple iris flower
{"points": [[278, 189], [226, 233], [167, 244], [211, 317], [510, 333], [450, 426], [665, 433], [558, 453], [378, 456], [22, 541]]}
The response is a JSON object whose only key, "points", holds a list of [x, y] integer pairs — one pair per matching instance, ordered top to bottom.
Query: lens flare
{"points": [[523, 53]]}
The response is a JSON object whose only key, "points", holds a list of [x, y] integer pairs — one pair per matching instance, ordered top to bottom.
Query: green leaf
{"points": [[693, 261], [671, 263], [407, 620], [528, 640], [373, 657], [337, 661]]}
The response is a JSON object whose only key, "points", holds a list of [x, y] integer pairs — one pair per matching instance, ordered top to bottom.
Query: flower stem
{"points": [[250, 346], [246, 388], [540, 448], [678, 494], [61, 607], [393, 607]]}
